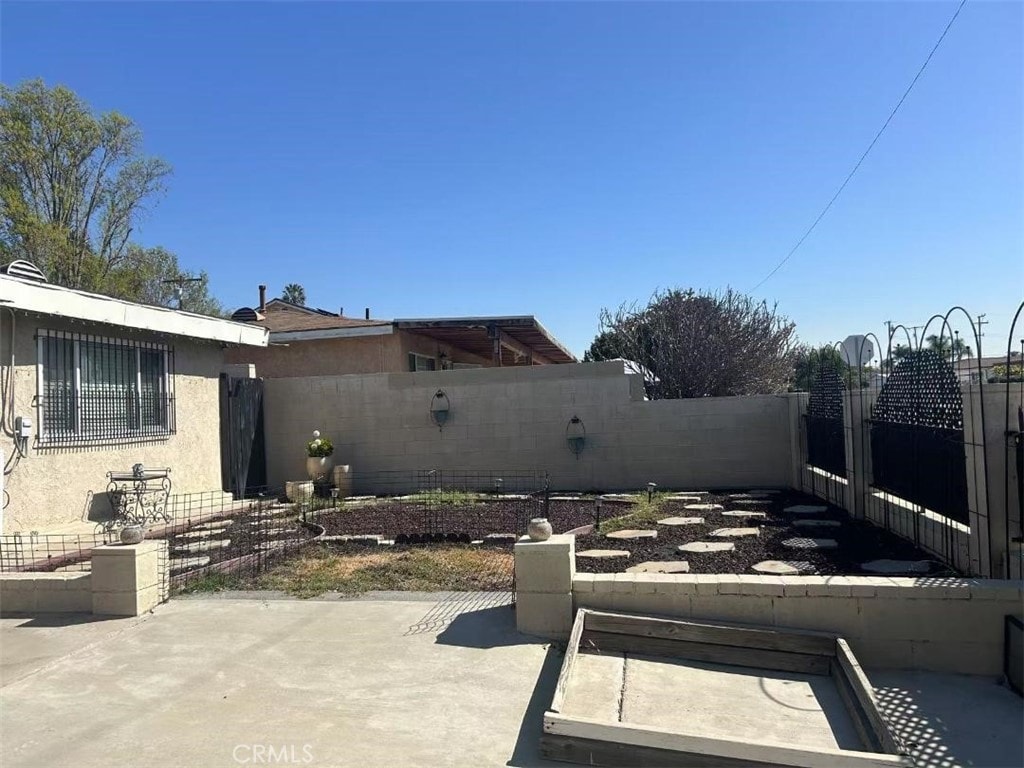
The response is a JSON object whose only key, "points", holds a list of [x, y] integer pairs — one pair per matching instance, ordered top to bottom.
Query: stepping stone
{"points": [[746, 495], [513, 496], [685, 497], [564, 498], [619, 498], [358, 499], [750, 501], [703, 507], [806, 509], [745, 514], [682, 521], [816, 524], [219, 525], [630, 533], [734, 533], [199, 534], [355, 538], [807, 543], [206, 545], [267, 546], [707, 546], [603, 554], [188, 563], [672, 566], [783, 567], [897, 567]]}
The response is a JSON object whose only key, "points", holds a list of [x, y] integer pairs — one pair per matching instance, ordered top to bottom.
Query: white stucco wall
{"points": [[515, 419], [51, 487]]}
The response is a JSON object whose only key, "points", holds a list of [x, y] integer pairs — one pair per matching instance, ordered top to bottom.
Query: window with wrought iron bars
{"points": [[94, 389]]}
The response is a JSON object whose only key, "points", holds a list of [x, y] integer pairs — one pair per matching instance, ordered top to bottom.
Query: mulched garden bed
{"points": [[393, 518], [858, 541]]}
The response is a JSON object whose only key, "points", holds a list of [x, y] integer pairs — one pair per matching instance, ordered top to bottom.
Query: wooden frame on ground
{"points": [[604, 742]]}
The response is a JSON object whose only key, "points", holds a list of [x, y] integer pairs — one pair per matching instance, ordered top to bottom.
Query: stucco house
{"points": [[305, 341], [91, 385]]}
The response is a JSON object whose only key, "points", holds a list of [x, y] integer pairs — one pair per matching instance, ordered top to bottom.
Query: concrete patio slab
{"points": [[206, 682]]}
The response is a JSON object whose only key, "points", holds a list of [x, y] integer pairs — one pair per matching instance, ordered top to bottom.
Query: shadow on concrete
{"points": [[449, 606], [58, 619], [485, 628], [946, 721], [527, 750]]}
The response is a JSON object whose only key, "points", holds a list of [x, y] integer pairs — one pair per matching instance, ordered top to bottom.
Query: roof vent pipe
{"points": [[263, 298], [367, 313]]}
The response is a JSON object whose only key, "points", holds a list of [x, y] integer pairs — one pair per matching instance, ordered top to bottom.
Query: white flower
{"points": [[316, 433]]}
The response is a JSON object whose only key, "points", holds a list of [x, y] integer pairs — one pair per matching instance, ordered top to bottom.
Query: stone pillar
{"points": [[544, 573], [128, 579]]}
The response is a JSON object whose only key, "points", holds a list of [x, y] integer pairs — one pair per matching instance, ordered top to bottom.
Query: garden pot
{"points": [[318, 467], [343, 480], [298, 490], [539, 529], [132, 534]]}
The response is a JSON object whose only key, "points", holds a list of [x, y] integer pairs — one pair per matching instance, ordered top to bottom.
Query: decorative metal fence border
{"points": [[965, 503]]}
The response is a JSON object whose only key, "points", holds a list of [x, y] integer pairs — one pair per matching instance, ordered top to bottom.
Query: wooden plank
{"points": [[793, 641], [805, 663], [861, 687], [558, 700], [854, 709], [571, 749], [743, 751]]}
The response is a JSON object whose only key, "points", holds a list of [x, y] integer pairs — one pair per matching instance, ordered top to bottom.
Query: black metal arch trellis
{"points": [[917, 439], [1013, 513]]}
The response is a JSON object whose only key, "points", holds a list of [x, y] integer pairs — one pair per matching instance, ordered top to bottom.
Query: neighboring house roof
{"points": [[58, 301], [522, 333], [971, 363]]}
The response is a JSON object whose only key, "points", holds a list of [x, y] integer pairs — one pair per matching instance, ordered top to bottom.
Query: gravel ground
{"points": [[394, 518], [858, 541]]}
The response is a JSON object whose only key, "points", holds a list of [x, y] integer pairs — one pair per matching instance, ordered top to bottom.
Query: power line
{"points": [[866, 151]]}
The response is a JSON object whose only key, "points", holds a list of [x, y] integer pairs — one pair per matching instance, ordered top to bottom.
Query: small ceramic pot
{"points": [[539, 529], [132, 534]]}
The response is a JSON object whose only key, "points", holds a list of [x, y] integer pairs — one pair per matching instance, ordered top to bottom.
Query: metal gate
{"points": [[917, 438], [826, 442], [243, 458]]}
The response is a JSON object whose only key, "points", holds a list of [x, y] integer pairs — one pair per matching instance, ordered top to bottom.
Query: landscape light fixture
{"points": [[440, 407], [576, 435], [650, 491]]}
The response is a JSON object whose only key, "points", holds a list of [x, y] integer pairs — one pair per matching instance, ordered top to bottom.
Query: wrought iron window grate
{"points": [[94, 389]]}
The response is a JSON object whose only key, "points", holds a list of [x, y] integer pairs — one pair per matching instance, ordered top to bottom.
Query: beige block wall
{"points": [[515, 419], [53, 487], [935, 624]]}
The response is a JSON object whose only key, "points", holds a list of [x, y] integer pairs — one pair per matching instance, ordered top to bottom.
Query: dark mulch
{"points": [[394, 518], [858, 541]]}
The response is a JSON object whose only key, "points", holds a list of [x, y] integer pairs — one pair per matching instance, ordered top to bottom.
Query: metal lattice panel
{"points": [[922, 391], [917, 438], [826, 443]]}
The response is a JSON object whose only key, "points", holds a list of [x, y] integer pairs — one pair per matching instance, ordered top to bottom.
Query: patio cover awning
{"points": [[517, 340]]}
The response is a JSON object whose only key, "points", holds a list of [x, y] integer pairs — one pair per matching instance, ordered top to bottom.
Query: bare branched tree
{"points": [[705, 344]]}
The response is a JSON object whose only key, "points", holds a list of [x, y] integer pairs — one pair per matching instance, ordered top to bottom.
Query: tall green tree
{"points": [[73, 184], [73, 187], [294, 294], [606, 346], [950, 348]]}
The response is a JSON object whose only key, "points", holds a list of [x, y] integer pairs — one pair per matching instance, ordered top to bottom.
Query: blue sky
{"points": [[553, 159]]}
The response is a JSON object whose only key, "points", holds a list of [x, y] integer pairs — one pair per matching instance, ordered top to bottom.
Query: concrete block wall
{"points": [[515, 419], [125, 580], [544, 581], [45, 593], [936, 624]]}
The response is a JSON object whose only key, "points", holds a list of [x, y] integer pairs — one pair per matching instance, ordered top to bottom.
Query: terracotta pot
{"points": [[318, 467], [539, 529], [132, 534]]}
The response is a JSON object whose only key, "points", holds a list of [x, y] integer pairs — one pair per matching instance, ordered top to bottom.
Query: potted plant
{"points": [[318, 456]]}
